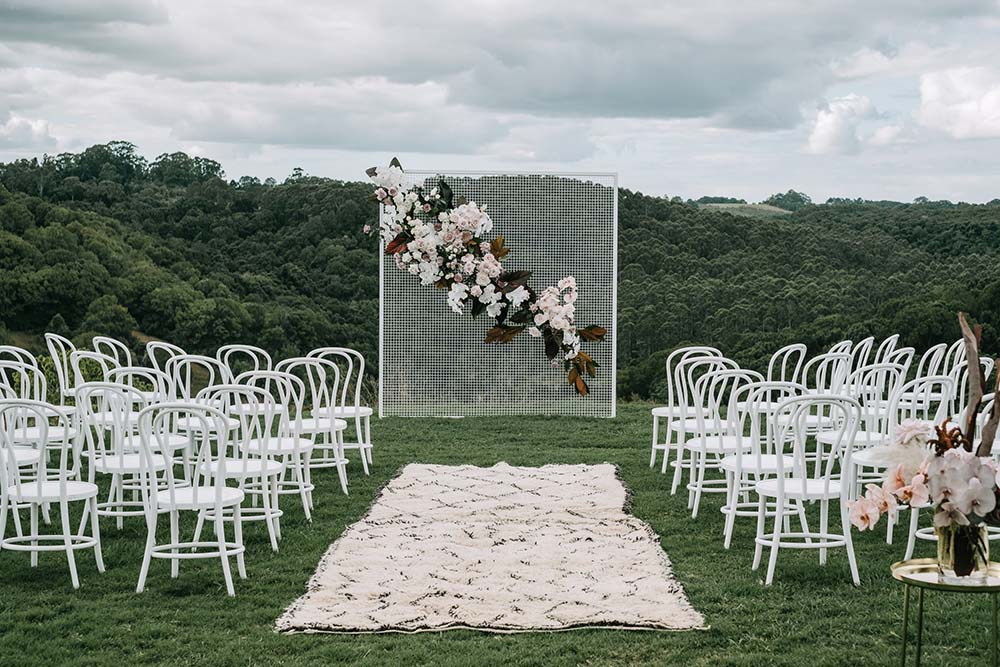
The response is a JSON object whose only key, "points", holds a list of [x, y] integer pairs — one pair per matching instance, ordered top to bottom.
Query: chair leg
{"points": [[652, 450], [678, 460], [118, 490], [275, 498], [732, 498], [696, 501], [800, 508], [33, 513], [3, 518], [269, 518], [95, 527], [197, 528], [824, 528], [845, 528], [67, 532], [220, 534], [174, 539], [758, 548], [147, 555], [772, 560], [241, 566]]}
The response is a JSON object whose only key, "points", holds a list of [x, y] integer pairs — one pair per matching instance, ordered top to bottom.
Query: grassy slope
{"points": [[810, 616]]}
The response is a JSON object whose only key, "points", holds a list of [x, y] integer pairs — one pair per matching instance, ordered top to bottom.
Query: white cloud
{"points": [[964, 102], [836, 127], [18, 132], [888, 135]]}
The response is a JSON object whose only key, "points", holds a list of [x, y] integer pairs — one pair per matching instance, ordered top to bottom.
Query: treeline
{"points": [[104, 241]]}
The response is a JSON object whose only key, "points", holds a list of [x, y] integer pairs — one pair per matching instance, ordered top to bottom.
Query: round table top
{"points": [[923, 572]]}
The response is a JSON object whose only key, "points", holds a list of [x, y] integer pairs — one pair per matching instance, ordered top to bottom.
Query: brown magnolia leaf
{"points": [[496, 244], [397, 245], [514, 279], [441, 284], [592, 333], [502, 334], [551, 344], [573, 376], [581, 387]]}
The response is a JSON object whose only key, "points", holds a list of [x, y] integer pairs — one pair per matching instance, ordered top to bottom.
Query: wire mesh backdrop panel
{"points": [[434, 363]]}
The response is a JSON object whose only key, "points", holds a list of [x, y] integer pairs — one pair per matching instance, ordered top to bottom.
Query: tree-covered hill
{"points": [[104, 241]]}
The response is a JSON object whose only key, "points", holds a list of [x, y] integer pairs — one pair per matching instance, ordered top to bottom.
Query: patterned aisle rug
{"points": [[501, 549]]}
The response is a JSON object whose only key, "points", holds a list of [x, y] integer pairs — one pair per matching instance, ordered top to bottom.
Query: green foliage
{"points": [[790, 201], [112, 244]]}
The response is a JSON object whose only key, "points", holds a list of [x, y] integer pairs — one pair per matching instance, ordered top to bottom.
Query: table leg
{"points": [[906, 618], [920, 623], [996, 657]]}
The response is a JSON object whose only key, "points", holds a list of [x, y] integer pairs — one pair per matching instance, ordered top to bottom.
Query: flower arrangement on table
{"points": [[442, 240], [959, 480]]}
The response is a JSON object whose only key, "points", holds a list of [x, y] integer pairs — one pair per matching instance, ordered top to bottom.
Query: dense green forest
{"points": [[104, 241]]}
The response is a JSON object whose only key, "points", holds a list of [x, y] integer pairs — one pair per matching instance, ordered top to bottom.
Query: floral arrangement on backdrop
{"points": [[442, 240]]}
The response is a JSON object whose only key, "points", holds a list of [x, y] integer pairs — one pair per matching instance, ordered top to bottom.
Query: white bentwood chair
{"points": [[26, 425], [824, 485]]}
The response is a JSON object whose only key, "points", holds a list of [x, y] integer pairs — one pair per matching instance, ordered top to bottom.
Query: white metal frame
{"points": [[610, 369]]}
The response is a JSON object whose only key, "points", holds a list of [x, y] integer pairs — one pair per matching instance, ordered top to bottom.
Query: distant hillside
{"points": [[748, 210], [104, 241]]}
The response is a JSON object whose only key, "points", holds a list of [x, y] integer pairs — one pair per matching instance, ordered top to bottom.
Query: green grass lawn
{"points": [[811, 616]]}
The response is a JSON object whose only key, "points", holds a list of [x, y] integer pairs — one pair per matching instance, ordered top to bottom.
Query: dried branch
{"points": [[971, 338], [990, 427]]}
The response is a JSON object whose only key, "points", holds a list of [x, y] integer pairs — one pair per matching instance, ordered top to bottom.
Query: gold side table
{"points": [[922, 573]]}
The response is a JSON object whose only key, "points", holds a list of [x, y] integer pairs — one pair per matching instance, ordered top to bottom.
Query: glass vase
{"points": [[963, 554]]}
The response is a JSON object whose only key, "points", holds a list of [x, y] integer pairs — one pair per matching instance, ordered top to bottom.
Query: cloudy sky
{"points": [[888, 99]]}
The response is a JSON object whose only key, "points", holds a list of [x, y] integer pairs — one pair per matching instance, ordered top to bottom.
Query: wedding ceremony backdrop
{"points": [[434, 364]]}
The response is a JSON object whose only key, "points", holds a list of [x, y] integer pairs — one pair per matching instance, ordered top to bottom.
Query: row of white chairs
{"points": [[724, 427], [256, 428]]}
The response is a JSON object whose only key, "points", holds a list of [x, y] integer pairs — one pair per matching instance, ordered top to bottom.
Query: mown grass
{"points": [[811, 616]]}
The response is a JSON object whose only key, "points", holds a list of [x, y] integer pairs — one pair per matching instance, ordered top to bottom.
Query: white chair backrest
{"points": [[843, 347], [113, 348], [886, 348], [59, 349], [15, 353], [158, 353], [860, 353], [901, 356], [954, 356], [241, 358], [674, 358], [931, 360], [99, 363], [351, 365], [785, 365], [688, 369], [191, 372], [826, 373], [960, 376], [322, 378], [22, 380], [156, 384], [874, 386], [288, 391], [711, 395], [755, 405], [255, 411], [109, 412], [34, 424], [792, 426], [207, 436]]}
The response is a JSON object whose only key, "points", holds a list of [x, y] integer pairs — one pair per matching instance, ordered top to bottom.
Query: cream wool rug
{"points": [[502, 549]]}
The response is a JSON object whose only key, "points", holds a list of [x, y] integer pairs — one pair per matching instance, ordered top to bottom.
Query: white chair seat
{"points": [[762, 406], [346, 411], [108, 419], [194, 424], [322, 424], [689, 424], [54, 434], [862, 439], [174, 441], [717, 444], [283, 445], [25, 456], [126, 463], [756, 466], [235, 469], [814, 488], [29, 492], [184, 498]]}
